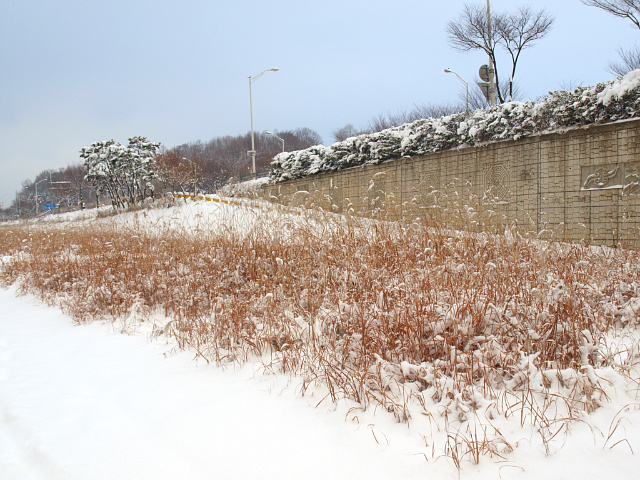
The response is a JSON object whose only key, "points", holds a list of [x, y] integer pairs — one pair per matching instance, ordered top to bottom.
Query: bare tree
{"points": [[629, 9], [512, 31], [519, 31], [471, 32], [629, 60], [570, 85], [477, 100], [436, 111], [389, 120], [342, 133], [297, 139], [224, 157], [80, 190]]}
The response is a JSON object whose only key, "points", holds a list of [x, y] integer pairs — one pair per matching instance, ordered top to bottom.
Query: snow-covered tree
{"points": [[139, 167], [124, 173]]}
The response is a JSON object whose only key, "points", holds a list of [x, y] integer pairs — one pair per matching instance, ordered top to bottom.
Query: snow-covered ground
{"points": [[107, 401], [80, 402], [91, 402]]}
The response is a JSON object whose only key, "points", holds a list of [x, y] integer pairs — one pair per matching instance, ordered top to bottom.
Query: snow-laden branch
{"points": [[610, 101]]}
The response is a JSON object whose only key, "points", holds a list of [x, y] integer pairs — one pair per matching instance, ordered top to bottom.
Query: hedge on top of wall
{"points": [[611, 101]]}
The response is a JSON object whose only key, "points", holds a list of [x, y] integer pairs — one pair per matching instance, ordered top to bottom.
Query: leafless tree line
{"points": [[629, 10], [389, 120], [208, 165], [195, 166], [61, 189]]}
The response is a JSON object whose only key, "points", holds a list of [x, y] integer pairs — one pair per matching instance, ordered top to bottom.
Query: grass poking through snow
{"points": [[465, 329]]}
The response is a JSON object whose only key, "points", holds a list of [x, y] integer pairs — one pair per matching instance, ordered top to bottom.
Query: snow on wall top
{"points": [[610, 101]]}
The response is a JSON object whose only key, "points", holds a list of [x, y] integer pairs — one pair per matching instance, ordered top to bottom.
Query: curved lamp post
{"points": [[448, 70], [492, 72], [281, 139], [252, 152], [39, 181], [7, 194], [4, 215]]}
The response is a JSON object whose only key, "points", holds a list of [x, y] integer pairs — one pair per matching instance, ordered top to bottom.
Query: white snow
{"points": [[616, 90], [118, 401], [84, 402], [90, 402]]}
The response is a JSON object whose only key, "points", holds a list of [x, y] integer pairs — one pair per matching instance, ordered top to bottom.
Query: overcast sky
{"points": [[77, 71]]}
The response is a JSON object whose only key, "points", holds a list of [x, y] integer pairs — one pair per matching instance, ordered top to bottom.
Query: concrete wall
{"points": [[583, 184]]}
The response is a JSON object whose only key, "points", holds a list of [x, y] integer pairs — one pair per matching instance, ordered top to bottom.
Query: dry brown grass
{"points": [[463, 326]]}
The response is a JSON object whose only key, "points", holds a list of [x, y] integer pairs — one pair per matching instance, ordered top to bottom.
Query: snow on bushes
{"points": [[610, 101]]}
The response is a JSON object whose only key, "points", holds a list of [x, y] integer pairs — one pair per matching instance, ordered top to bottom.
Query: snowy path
{"points": [[78, 402], [83, 403]]}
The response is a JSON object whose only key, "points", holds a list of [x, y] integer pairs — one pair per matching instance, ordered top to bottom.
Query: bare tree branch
{"points": [[629, 9], [512, 31], [520, 31], [471, 32], [629, 60], [389, 120]]}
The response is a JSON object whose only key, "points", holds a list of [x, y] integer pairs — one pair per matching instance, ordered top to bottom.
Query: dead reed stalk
{"points": [[414, 318]]}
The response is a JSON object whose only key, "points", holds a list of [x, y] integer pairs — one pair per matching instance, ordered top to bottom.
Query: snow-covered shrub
{"points": [[610, 101], [125, 173]]}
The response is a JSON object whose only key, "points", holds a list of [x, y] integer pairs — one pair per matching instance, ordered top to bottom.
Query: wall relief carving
{"points": [[625, 176], [497, 180]]}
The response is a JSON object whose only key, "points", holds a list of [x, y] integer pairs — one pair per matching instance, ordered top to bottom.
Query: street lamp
{"points": [[448, 70], [492, 81], [281, 139], [252, 152], [43, 180], [6, 195], [4, 215]]}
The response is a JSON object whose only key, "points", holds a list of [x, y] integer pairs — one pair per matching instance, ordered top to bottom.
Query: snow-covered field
{"points": [[105, 400], [88, 402]]}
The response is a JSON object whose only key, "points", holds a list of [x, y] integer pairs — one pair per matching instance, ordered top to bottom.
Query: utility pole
{"points": [[492, 83], [252, 152], [43, 180], [58, 188]]}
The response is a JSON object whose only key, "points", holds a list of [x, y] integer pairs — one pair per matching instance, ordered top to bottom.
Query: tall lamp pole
{"points": [[448, 70], [492, 82], [281, 139], [252, 152], [43, 180], [4, 215]]}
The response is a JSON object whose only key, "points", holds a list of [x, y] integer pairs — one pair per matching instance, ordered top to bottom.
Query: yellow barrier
{"points": [[203, 197], [210, 199]]}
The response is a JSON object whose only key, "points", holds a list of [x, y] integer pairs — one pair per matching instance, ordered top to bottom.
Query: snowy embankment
{"points": [[610, 101], [350, 349], [88, 403]]}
